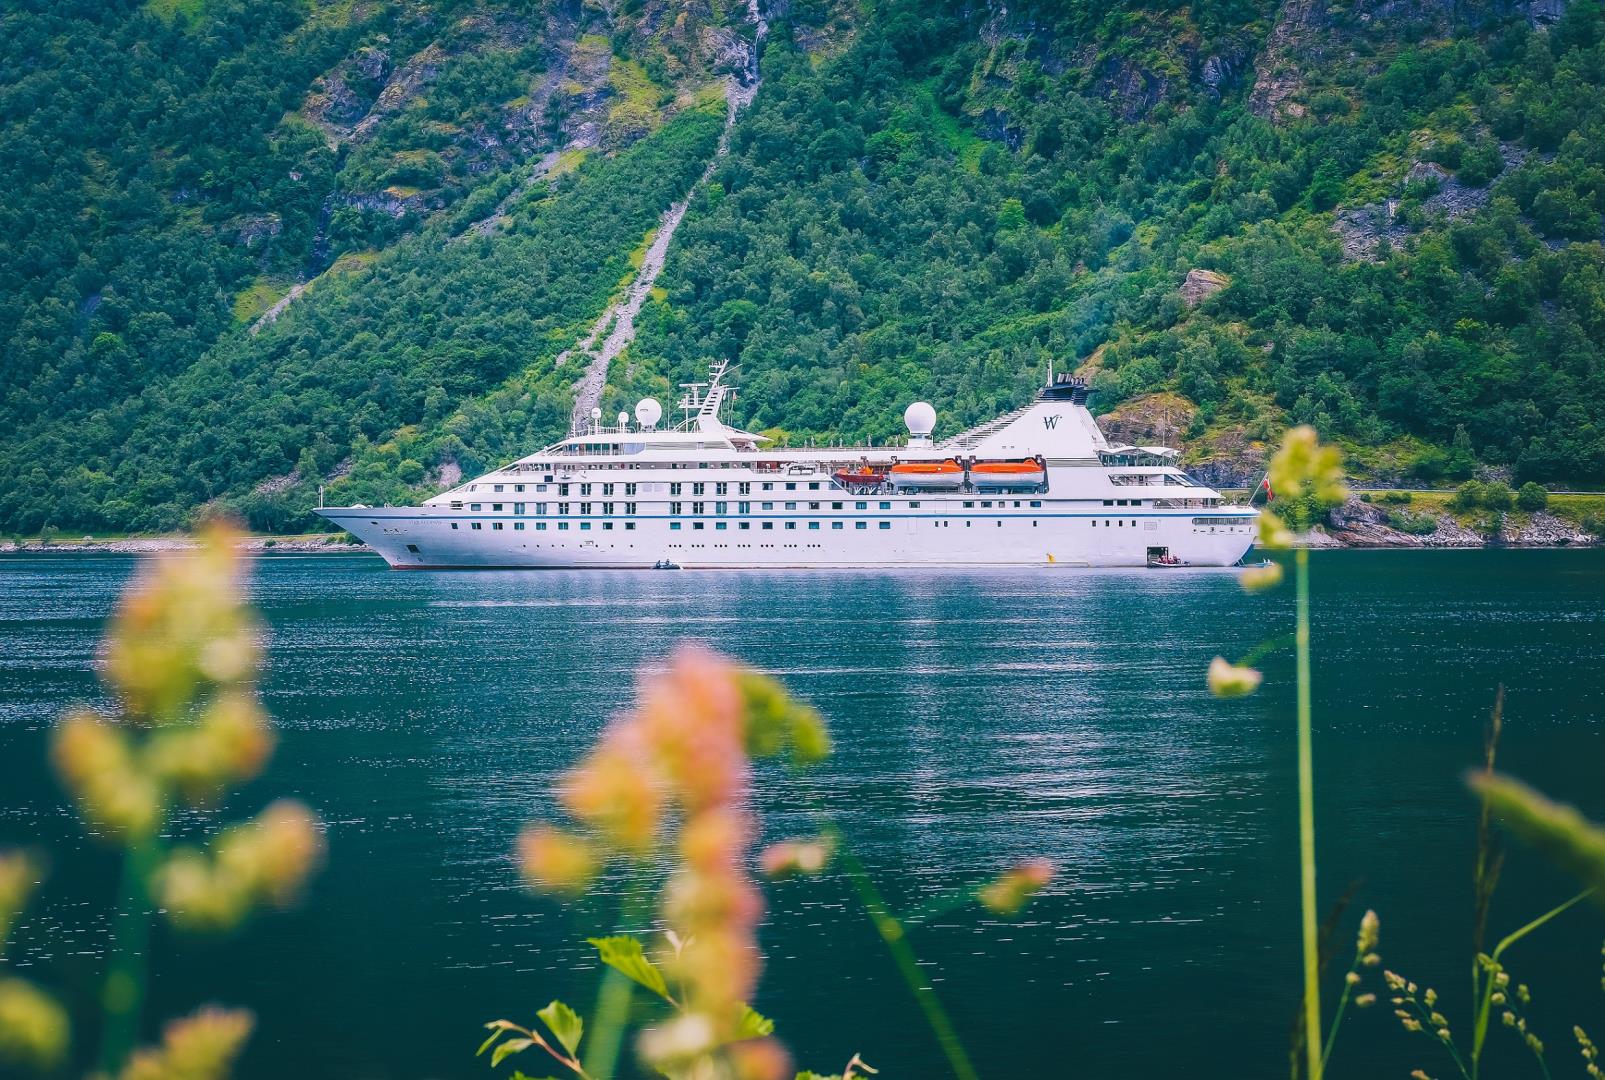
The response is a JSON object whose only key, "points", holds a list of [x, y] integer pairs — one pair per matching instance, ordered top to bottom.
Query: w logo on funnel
{"points": [[1051, 421]]}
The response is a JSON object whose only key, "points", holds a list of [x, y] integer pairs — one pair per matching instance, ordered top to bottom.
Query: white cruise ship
{"points": [[1040, 486]]}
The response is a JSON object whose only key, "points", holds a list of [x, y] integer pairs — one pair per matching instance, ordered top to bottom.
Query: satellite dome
{"points": [[596, 412], [648, 412], [624, 418], [920, 418]]}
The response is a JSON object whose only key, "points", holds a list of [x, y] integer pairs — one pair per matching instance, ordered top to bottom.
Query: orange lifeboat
{"points": [[928, 475], [992, 475], [859, 476]]}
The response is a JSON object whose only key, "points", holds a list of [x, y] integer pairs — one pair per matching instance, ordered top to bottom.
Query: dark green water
{"points": [[980, 719]]}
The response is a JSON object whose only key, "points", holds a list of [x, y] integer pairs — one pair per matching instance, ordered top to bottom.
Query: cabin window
{"points": [[547, 478], [790, 486], [813, 486], [498, 487], [518, 487], [769, 487], [674, 488], [697, 488], [721, 488], [744, 488], [562, 489], [585, 489], [607, 489], [629, 489], [1036, 502], [1108, 502], [986, 503], [968, 504], [456, 505], [915, 505], [473, 506], [768, 506], [791, 506], [813, 506], [835, 506], [861, 506], [585, 508], [607, 508], [629, 508], [676, 508], [699, 508], [721, 508], [743, 508], [454, 524], [791, 524], [860, 524], [888, 524], [696, 525], [721, 525], [744, 525], [768, 525], [813, 525], [836, 525], [474, 526], [496, 526], [518, 526], [540, 526], [562, 526], [629, 526], [674, 526], [413, 548]]}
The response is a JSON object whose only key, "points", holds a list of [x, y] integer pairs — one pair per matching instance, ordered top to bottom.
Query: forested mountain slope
{"points": [[1380, 217]]}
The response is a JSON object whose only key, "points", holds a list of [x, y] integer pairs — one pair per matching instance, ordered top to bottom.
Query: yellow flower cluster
{"points": [[1301, 468], [182, 656], [673, 776], [261, 861], [1008, 893], [33, 1027], [199, 1047]]}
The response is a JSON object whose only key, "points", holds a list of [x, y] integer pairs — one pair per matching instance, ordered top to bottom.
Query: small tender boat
{"points": [[927, 475], [992, 475], [860, 476], [1165, 561]]}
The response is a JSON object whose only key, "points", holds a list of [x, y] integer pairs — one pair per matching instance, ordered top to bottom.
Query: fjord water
{"points": [[979, 719]]}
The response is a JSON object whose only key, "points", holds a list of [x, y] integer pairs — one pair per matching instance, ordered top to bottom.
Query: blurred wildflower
{"points": [[1304, 467], [1272, 534], [1261, 578], [1227, 680], [97, 761], [673, 774], [795, 857], [262, 861], [555, 861], [18, 876], [1008, 893], [1370, 933], [1365, 1001], [33, 1027], [202, 1046], [761, 1059]]}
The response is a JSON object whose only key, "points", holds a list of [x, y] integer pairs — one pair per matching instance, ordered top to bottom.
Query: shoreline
{"points": [[305, 544]]}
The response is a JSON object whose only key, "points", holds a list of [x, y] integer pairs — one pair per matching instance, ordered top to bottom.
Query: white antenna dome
{"points": [[596, 412], [648, 412], [624, 418], [920, 418]]}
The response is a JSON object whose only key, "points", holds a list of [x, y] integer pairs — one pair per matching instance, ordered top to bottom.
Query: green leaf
{"points": [[1571, 840], [625, 955], [565, 1024], [753, 1024], [508, 1048], [526, 1076]]}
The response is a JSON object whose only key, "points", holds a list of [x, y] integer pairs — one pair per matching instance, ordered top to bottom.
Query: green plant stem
{"points": [[1306, 824], [895, 937], [123, 996], [613, 997], [1337, 1017], [1480, 1034]]}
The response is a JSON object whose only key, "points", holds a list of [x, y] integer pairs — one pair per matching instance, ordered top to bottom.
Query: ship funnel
{"points": [[921, 420]]}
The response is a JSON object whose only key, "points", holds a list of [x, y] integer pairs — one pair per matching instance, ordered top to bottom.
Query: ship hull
{"points": [[423, 538]]}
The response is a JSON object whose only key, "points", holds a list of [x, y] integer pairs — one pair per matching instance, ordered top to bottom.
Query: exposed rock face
{"points": [[1294, 43], [1131, 89], [1361, 229], [1200, 285], [1150, 420], [1360, 524], [1542, 530]]}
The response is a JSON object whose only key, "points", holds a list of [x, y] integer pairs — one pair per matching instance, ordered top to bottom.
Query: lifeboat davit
{"points": [[928, 475], [992, 475]]}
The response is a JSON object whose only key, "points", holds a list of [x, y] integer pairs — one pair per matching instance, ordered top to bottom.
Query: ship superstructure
{"points": [[1039, 486]]}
